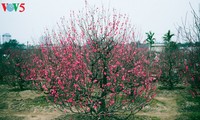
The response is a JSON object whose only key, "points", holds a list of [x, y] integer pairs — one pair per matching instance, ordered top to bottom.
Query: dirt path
{"points": [[166, 111], [39, 116]]}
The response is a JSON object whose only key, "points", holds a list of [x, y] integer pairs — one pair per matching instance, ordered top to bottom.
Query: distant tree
{"points": [[168, 36], [150, 39], [12, 44], [12, 56], [170, 62]]}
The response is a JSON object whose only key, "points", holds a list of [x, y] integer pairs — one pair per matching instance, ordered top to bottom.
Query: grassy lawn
{"points": [[175, 104], [189, 107]]}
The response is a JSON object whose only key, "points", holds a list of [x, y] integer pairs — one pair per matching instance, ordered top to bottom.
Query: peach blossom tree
{"points": [[191, 34], [92, 66]]}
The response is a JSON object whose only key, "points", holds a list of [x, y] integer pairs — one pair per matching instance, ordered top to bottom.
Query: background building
{"points": [[5, 38], [158, 47]]}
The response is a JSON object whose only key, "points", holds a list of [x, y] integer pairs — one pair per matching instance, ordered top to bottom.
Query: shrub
{"points": [[13, 56], [171, 62]]}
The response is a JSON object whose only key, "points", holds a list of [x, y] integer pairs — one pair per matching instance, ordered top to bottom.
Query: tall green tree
{"points": [[150, 39], [169, 61]]}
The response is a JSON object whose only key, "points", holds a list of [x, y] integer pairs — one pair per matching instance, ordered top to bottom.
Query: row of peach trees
{"points": [[191, 33]]}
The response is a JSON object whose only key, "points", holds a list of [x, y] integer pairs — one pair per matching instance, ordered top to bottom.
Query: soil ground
{"points": [[31, 105]]}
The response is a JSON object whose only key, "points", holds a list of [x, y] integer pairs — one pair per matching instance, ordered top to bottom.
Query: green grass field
{"points": [[175, 104]]}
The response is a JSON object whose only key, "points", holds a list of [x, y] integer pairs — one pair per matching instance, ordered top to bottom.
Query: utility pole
{"points": [[0, 39]]}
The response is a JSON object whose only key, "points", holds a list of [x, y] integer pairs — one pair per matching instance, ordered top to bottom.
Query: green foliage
{"points": [[167, 37], [150, 38], [12, 44], [170, 45], [170, 59], [11, 60], [41, 101], [3, 105], [189, 107], [6, 117]]}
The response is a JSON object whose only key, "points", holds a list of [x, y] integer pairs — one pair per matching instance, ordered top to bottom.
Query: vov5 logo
{"points": [[16, 7]]}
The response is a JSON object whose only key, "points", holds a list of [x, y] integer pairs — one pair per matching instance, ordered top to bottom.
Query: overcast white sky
{"points": [[155, 15]]}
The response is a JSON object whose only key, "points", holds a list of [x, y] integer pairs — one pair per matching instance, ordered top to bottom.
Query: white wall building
{"points": [[5, 38], [158, 47]]}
